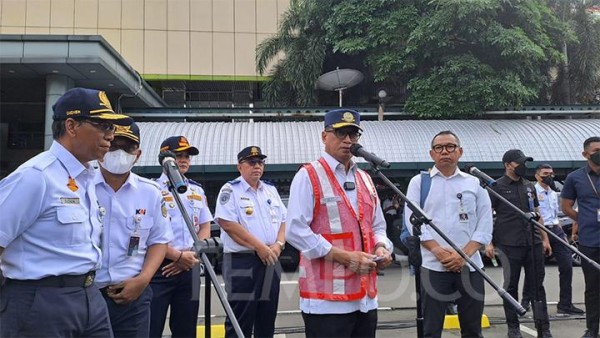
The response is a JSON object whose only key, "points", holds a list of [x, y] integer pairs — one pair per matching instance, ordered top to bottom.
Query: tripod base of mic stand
{"points": [[451, 322]]}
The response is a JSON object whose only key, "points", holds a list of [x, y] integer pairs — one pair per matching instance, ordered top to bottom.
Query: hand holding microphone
{"points": [[167, 160]]}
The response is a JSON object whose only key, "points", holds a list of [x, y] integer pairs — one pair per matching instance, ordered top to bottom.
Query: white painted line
{"points": [[527, 330], [281, 335]]}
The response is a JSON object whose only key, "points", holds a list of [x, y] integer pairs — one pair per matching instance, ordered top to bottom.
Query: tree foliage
{"points": [[452, 58]]}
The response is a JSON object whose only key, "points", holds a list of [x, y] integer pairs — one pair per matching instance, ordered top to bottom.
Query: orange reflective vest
{"points": [[335, 219]]}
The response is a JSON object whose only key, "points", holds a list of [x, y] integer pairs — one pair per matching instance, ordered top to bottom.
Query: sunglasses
{"points": [[106, 127], [255, 161]]}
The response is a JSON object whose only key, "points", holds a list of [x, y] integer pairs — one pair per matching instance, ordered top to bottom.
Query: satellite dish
{"points": [[339, 80]]}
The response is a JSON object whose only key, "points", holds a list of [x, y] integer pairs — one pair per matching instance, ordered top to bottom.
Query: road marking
{"points": [[527, 330]]}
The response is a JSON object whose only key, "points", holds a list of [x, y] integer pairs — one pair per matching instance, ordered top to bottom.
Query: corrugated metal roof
{"points": [[395, 141]]}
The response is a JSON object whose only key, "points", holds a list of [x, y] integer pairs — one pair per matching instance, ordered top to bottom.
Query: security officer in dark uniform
{"points": [[252, 217], [51, 227], [512, 237], [173, 283]]}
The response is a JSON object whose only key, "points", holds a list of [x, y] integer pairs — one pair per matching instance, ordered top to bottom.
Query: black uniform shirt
{"points": [[511, 228]]}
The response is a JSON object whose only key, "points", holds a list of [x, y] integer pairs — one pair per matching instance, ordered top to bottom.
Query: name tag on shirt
{"points": [[331, 199], [69, 200]]}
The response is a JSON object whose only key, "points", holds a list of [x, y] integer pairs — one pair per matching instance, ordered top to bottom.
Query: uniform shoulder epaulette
{"points": [[44, 162], [152, 182], [234, 182], [268, 182], [194, 183]]}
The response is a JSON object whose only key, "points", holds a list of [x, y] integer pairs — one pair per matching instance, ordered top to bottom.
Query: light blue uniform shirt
{"points": [[194, 201], [444, 207], [133, 210], [260, 211], [51, 224], [312, 245]]}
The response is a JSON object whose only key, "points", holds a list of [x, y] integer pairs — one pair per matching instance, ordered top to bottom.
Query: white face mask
{"points": [[118, 161]]}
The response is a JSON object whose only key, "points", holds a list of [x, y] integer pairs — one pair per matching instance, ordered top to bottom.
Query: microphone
{"points": [[358, 151], [167, 160], [472, 169]]}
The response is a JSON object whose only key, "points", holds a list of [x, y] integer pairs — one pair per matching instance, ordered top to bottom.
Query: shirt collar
{"points": [[334, 164], [73, 166], [435, 171], [99, 178], [246, 186], [539, 187]]}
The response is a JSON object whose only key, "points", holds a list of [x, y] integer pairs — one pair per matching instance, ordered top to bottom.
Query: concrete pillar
{"points": [[56, 85]]}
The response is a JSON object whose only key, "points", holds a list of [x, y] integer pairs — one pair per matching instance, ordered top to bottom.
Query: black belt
{"points": [[63, 281]]}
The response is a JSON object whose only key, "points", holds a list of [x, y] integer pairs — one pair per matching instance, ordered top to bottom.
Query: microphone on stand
{"points": [[358, 151], [167, 160], [472, 169]]}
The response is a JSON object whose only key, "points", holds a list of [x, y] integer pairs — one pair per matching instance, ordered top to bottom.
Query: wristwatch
{"points": [[281, 244]]}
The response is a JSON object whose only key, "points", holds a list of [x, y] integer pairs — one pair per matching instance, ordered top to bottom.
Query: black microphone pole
{"points": [[419, 218], [201, 247]]}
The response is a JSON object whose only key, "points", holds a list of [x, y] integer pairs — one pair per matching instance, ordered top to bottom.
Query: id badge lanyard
{"points": [[597, 194]]}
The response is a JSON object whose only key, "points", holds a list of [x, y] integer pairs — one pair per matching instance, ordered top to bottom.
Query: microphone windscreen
{"points": [[354, 148], [165, 154], [468, 167]]}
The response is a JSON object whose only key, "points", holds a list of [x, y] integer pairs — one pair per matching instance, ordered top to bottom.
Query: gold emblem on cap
{"points": [[104, 100], [348, 117], [123, 129], [183, 142], [254, 151]]}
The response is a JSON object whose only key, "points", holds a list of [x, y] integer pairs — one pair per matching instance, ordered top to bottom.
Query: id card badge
{"points": [[463, 217], [134, 245]]}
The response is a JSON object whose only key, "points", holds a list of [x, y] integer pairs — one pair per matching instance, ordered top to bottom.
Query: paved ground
{"points": [[397, 307]]}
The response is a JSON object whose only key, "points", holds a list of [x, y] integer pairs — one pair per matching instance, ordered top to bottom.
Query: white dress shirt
{"points": [[444, 207], [548, 208], [134, 210], [259, 211], [51, 220], [312, 245]]}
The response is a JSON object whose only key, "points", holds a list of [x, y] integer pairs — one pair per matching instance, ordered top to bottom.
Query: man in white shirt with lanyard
{"points": [[462, 210]]}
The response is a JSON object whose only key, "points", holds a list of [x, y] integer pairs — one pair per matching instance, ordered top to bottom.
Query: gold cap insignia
{"points": [[104, 100], [348, 117], [123, 129], [183, 142], [254, 152]]}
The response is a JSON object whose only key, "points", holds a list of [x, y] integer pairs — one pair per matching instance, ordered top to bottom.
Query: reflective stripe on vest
{"points": [[339, 224]]}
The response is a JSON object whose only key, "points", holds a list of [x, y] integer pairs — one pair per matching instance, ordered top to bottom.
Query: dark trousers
{"points": [[514, 258], [565, 271], [592, 287], [440, 288], [181, 292], [253, 293], [44, 311], [133, 319], [348, 325]]}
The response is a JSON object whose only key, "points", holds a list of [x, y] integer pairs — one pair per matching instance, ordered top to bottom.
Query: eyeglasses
{"points": [[105, 127], [342, 133], [450, 147], [255, 161]]}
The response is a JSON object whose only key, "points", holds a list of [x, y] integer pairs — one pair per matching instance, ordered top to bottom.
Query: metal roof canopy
{"points": [[88, 60], [405, 144]]}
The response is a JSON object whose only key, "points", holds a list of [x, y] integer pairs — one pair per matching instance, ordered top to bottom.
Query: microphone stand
{"points": [[419, 217], [201, 247], [539, 309]]}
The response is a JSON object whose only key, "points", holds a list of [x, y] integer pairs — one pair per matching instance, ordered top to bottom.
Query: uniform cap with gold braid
{"points": [[89, 104], [339, 118], [132, 132], [178, 144], [251, 151]]}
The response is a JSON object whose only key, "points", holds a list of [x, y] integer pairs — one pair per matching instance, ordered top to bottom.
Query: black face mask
{"points": [[595, 157], [520, 170], [548, 180]]}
